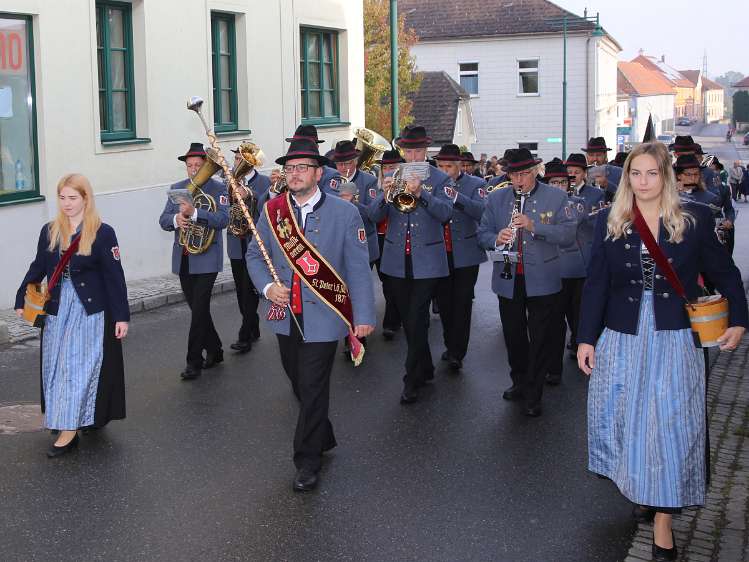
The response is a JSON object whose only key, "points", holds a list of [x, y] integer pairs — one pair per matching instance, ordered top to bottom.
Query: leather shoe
{"points": [[388, 334], [254, 337], [241, 346], [445, 356], [213, 359], [454, 364], [190, 373], [553, 380], [513, 393], [409, 394], [533, 411], [55, 452], [305, 480], [642, 514], [661, 554]]}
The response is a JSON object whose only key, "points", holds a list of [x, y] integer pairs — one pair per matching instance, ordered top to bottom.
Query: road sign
{"points": [[554, 139]]}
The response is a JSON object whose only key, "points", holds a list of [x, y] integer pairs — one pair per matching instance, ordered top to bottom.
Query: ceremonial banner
{"points": [[311, 267]]}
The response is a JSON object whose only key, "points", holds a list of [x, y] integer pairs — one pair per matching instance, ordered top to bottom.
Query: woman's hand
{"points": [[19, 312], [120, 330], [731, 338], [586, 357]]}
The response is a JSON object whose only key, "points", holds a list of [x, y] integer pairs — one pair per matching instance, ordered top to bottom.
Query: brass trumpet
{"points": [[399, 196], [197, 238]]}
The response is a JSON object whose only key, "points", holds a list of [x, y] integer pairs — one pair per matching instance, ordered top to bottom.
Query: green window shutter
{"points": [[224, 62], [320, 92]]}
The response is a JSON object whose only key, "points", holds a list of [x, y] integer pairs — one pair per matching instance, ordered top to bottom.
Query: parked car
{"points": [[683, 121], [665, 139], [746, 139]]}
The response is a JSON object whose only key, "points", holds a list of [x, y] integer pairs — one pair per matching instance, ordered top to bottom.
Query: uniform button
{"points": [[629, 231], [525, 241], [627, 246], [670, 260], [627, 264], [657, 276], [639, 281], [632, 282], [83, 284], [665, 295], [88, 299], [630, 299]]}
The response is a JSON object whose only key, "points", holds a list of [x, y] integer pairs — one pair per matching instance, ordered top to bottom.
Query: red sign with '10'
{"points": [[12, 52]]}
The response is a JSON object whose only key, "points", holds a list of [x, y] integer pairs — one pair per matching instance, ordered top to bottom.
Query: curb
{"points": [[4, 333]]}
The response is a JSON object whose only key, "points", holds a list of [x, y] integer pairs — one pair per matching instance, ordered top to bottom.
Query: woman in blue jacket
{"points": [[87, 317], [646, 398]]}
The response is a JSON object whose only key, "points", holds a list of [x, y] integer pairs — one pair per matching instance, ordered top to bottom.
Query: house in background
{"points": [[508, 57], [647, 93], [713, 96], [685, 104], [443, 107]]}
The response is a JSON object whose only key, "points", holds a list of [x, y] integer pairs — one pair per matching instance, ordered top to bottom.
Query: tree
{"points": [[377, 68], [726, 80], [741, 106]]}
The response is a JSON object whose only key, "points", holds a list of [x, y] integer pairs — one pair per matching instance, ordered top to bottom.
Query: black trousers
{"points": [[197, 288], [412, 298], [247, 299], [455, 301], [569, 307], [392, 319], [530, 325], [308, 366]]}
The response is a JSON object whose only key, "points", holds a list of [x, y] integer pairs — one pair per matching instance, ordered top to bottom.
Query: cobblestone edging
{"points": [[143, 295], [717, 532]]}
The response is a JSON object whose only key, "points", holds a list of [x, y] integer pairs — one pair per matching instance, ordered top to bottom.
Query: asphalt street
{"points": [[202, 470]]}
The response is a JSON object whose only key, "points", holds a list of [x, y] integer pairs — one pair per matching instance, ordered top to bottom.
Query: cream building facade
{"points": [[102, 91]]}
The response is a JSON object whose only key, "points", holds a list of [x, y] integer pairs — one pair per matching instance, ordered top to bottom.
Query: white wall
{"points": [[172, 62], [660, 107], [502, 117]]}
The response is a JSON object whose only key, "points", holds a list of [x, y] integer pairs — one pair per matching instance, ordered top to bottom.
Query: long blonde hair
{"points": [[674, 218], [60, 232]]}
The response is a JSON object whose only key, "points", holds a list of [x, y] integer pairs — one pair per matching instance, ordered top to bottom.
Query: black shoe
{"points": [[388, 334], [254, 337], [241, 346], [445, 356], [213, 359], [454, 364], [190, 373], [553, 380], [513, 393], [409, 394], [533, 411], [55, 452], [305, 480], [642, 514], [661, 554]]}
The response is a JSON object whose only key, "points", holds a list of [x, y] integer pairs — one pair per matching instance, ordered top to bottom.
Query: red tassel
{"points": [[356, 349]]}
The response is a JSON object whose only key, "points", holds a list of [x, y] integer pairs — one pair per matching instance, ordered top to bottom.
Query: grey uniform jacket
{"points": [[330, 180], [259, 184], [368, 190], [593, 197], [545, 204], [467, 210], [333, 228], [428, 254], [571, 255], [212, 260]]}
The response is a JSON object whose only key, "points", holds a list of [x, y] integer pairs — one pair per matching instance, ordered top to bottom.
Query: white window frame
{"points": [[520, 71], [475, 73]]}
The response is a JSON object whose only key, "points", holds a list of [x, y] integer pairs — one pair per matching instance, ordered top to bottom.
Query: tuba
{"points": [[371, 145], [251, 157], [197, 238]]}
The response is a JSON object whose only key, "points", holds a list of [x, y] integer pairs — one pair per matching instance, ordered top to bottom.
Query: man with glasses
{"points": [[318, 247], [414, 255], [528, 302]]}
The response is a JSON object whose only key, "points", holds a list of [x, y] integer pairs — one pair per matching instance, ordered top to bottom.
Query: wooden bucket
{"points": [[33, 305], [709, 319]]}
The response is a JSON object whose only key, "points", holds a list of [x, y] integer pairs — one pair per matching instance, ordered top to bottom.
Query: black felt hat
{"points": [[305, 132], [413, 136], [683, 143], [596, 144], [196, 149], [303, 149], [344, 151], [449, 152], [391, 157], [469, 157], [521, 159], [576, 159], [686, 162], [555, 168]]}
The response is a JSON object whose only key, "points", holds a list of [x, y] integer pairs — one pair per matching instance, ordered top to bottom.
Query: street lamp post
{"points": [[394, 68]]}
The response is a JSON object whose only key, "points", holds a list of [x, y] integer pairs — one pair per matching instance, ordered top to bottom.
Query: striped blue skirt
{"points": [[71, 362], [646, 414]]}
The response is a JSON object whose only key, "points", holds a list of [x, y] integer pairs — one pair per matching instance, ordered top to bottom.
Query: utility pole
{"points": [[394, 68]]}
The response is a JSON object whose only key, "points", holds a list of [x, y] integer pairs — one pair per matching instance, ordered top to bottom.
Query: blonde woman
{"points": [[87, 317], [646, 398]]}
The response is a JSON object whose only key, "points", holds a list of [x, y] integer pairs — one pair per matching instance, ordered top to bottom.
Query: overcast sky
{"points": [[680, 29]]}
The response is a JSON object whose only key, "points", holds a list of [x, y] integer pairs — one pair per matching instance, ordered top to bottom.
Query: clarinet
{"points": [[507, 270]]}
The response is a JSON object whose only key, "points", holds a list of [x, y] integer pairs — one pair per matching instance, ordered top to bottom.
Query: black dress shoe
{"points": [[388, 334], [254, 337], [241, 346], [445, 356], [213, 359], [454, 364], [190, 373], [553, 380], [513, 393], [409, 394], [533, 411], [55, 452], [305, 480], [642, 514], [661, 554]]}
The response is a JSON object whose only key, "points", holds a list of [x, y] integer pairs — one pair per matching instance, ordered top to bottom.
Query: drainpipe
{"points": [[394, 68], [587, 87]]}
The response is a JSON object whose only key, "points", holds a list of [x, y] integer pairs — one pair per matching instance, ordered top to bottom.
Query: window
{"points": [[114, 52], [224, 58], [319, 71], [469, 77], [528, 77], [531, 146], [18, 165]]}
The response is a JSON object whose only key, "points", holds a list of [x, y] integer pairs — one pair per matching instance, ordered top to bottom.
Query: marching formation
{"points": [[605, 253]]}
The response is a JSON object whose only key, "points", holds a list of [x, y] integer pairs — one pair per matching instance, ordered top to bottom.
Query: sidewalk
{"points": [[143, 294], [717, 532]]}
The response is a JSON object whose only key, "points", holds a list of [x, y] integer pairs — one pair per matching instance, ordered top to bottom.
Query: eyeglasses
{"points": [[301, 168]]}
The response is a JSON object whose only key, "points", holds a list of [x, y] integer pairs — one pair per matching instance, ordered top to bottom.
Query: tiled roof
{"points": [[446, 19], [668, 71], [692, 75], [635, 79], [743, 83], [708, 84], [435, 105]]}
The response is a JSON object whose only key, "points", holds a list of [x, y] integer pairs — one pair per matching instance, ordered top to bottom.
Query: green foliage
{"points": [[741, 106]]}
